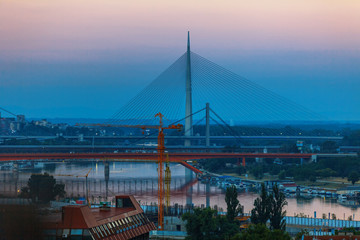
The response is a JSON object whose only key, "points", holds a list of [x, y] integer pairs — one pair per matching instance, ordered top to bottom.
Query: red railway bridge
{"points": [[179, 157]]}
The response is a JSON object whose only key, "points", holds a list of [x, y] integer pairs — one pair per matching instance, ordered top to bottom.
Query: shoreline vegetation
{"points": [[331, 174]]}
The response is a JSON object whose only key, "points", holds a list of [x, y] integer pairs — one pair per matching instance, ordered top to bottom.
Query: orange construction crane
{"points": [[161, 157], [167, 184]]}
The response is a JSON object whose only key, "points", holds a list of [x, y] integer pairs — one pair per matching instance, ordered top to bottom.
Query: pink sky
{"points": [[52, 25], [48, 47]]}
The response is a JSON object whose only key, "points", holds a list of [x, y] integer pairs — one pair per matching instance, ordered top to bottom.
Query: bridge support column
{"points": [[188, 104], [207, 130], [243, 162], [107, 176], [189, 192], [207, 193]]}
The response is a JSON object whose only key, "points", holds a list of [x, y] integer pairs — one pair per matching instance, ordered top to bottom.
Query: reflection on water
{"points": [[140, 180]]}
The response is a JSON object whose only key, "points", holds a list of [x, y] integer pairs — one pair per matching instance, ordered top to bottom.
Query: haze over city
{"points": [[88, 58], [201, 120]]}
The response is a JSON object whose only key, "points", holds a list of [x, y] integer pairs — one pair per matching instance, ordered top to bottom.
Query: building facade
{"points": [[125, 221]]}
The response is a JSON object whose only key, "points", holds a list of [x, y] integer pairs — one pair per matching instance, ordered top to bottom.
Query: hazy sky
{"points": [[86, 58]]}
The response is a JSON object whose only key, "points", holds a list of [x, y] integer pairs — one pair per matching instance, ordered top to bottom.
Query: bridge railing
{"points": [[318, 222]]}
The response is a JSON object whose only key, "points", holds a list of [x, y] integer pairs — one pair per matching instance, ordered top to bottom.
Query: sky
{"points": [[87, 58]]}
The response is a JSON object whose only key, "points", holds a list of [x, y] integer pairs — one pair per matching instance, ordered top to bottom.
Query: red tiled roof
{"points": [[289, 184], [83, 217]]}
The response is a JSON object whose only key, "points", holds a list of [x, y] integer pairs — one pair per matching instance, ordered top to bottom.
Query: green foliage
{"points": [[352, 139], [329, 147], [214, 165], [324, 168], [241, 170], [258, 171], [304, 172], [327, 172], [282, 175], [353, 177], [312, 179], [42, 188], [277, 204], [270, 207], [234, 208], [261, 211], [206, 224], [353, 230], [260, 231], [299, 235]]}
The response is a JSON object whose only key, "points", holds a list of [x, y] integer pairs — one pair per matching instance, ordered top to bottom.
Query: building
{"points": [[349, 149], [288, 187], [349, 190], [125, 221]]}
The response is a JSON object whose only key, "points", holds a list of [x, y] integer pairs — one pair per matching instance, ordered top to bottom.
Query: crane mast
{"points": [[161, 157], [167, 185]]}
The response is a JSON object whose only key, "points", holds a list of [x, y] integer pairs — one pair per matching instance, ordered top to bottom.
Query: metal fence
{"points": [[318, 222]]}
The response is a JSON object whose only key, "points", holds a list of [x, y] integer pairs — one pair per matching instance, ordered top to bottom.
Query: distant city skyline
{"points": [[87, 58]]}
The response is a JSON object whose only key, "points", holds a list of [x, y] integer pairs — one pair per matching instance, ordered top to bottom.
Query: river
{"points": [[140, 180]]}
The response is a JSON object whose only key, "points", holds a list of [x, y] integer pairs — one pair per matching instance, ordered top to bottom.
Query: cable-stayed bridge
{"points": [[192, 81], [196, 91]]}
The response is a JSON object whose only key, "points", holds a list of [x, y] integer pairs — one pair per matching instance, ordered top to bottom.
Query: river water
{"points": [[140, 180]]}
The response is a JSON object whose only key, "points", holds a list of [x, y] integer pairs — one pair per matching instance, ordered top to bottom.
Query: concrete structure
{"points": [[188, 106], [207, 127], [350, 190], [125, 221], [349, 237]]}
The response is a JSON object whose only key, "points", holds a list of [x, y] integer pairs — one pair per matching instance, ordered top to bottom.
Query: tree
{"points": [[329, 147], [258, 172], [327, 172], [282, 175], [353, 177], [43, 188], [277, 203], [234, 208], [261, 211], [206, 224], [260, 231], [302, 233]]}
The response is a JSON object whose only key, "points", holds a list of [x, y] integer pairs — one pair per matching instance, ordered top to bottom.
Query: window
{"points": [[136, 220], [125, 224], [110, 227], [99, 230], [106, 230], [76, 231], [95, 231], [50, 232], [59, 232], [86, 232]]}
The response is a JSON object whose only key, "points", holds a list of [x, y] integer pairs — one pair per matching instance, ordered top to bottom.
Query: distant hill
{"points": [[331, 125]]}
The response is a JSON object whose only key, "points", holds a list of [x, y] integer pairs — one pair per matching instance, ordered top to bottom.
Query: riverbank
{"points": [[332, 183]]}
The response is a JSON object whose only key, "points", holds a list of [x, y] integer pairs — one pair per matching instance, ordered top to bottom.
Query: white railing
{"points": [[318, 222]]}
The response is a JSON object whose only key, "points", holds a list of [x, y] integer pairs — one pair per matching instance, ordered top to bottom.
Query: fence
{"points": [[318, 222]]}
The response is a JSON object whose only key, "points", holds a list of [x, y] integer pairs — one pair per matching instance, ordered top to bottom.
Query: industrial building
{"points": [[125, 221]]}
